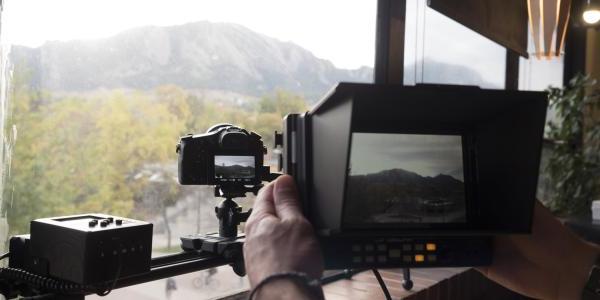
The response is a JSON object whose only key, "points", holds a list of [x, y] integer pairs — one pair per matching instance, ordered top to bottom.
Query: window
{"points": [[440, 50], [537, 75], [100, 91]]}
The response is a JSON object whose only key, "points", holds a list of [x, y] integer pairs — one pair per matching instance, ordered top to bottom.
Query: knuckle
{"points": [[265, 189], [250, 224]]}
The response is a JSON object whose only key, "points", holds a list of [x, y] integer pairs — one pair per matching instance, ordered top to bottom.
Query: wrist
{"points": [[287, 285], [283, 288]]}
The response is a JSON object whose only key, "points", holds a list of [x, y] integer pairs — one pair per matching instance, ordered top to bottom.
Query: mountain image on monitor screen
{"points": [[234, 167], [405, 178], [400, 196]]}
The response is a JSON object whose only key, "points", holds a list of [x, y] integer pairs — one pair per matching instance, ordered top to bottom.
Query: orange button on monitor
{"points": [[430, 247], [419, 257]]}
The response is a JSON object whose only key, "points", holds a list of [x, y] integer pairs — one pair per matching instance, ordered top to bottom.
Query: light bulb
{"points": [[591, 16]]}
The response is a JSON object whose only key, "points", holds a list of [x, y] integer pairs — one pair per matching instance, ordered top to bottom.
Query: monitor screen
{"points": [[234, 168], [405, 179]]}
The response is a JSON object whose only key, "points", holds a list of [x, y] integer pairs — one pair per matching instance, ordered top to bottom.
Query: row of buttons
{"points": [[234, 179], [105, 222], [369, 247], [405, 247], [418, 258]]}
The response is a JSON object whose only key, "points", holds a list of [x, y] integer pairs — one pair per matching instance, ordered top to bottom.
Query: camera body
{"points": [[224, 155], [415, 176]]}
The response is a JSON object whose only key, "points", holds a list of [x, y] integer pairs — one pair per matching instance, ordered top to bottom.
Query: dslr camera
{"points": [[225, 155], [231, 159], [396, 176]]}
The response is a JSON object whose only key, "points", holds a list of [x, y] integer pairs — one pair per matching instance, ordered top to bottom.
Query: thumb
{"points": [[285, 194]]}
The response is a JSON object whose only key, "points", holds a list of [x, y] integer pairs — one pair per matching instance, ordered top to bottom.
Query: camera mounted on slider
{"points": [[231, 159]]}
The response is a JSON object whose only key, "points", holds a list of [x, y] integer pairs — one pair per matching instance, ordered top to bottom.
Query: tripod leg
{"points": [[407, 283]]}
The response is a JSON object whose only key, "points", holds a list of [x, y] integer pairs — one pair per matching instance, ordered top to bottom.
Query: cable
{"points": [[5, 255], [117, 275], [44, 282], [382, 284], [57, 286], [40, 297]]}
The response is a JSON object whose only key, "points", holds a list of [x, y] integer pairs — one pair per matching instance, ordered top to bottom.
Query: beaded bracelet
{"points": [[313, 285]]}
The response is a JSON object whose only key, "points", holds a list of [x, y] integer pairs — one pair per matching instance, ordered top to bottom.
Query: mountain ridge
{"points": [[198, 55], [218, 56], [398, 191]]}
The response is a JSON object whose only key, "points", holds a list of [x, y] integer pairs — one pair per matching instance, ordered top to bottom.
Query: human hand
{"points": [[278, 237], [550, 263]]}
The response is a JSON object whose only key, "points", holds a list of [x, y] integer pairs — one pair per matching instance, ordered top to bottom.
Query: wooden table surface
{"points": [[365, 286]]}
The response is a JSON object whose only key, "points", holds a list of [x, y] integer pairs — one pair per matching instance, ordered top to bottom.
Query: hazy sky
{"points": [[342, 31], [427, 155], [244, 161]]}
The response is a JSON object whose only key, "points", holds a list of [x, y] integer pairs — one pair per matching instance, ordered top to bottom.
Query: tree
{"points": [[282, 103], [272, 109], [78, 153], [574, 165], [160, 191]]}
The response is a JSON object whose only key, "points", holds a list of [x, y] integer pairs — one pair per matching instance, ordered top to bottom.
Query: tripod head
{"points": [[228, 212]]}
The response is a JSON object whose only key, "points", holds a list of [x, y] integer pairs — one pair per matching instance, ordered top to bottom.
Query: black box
{"points": [[90, 248]]}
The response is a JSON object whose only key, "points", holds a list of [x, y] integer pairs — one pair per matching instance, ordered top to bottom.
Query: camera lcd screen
{"points": [[234, 168], [405, 179]]}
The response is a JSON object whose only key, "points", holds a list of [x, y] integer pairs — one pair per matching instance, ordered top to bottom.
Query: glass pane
{"points": [[440, 50], [537, 75], [100, 92]]}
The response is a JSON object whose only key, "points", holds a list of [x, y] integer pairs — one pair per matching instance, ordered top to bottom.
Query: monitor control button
{"points": [[431, 247], [394, 253], [419, 258]]}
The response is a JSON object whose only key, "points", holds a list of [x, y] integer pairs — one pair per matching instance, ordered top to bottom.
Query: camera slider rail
{"points": [[161, 267]]}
